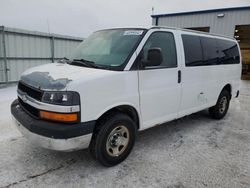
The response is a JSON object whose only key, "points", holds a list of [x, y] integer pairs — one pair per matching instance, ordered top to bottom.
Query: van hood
{"points": [[56, 76]]}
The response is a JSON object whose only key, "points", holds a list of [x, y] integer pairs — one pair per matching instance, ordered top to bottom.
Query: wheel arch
{"points": [[228, 87], [127, 109]]}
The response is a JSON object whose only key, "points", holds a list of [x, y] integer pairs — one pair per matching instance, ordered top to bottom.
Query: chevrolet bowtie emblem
{"points": [[24, 98]]}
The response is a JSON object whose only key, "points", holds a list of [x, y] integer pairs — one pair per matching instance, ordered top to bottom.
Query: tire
{"points": [[220, 109], [114, 139]]}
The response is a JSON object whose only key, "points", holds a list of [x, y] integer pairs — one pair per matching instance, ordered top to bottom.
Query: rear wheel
{"points": [[220, 109], [114, 139]]}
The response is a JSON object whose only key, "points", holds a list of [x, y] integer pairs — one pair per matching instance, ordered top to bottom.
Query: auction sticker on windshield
{"points": [[133, 32]]}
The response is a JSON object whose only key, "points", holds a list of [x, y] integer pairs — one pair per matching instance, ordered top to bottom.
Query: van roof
{"points": [[172, 28], [191, 31]]}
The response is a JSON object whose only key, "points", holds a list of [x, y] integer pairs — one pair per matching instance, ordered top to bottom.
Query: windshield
{"points": [[108, 48]]}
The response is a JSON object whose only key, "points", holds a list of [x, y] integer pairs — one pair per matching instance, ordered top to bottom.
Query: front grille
{"points": [[32, 92], [30, 109]]}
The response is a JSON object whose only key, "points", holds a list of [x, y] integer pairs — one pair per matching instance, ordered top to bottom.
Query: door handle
{"points": [[179, 76]]}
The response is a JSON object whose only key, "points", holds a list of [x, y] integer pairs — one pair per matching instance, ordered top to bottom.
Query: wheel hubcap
{"points": [[223, 105], [117, 141]]}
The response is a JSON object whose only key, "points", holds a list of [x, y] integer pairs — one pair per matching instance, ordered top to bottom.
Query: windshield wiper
{"points": [[64, 60], [86, 63]]}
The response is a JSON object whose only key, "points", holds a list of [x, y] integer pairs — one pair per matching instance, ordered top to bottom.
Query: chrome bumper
{"points": [[69, 144]]}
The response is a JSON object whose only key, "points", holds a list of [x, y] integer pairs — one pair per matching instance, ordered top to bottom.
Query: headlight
{"points": [[62, 98], [66, 98]]}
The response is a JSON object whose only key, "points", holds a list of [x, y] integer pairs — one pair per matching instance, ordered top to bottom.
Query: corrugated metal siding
{"points": [[223, 26], [27, 46], [64, 47], [25, 49], [1, 55], [2, 60], [16, 67]]}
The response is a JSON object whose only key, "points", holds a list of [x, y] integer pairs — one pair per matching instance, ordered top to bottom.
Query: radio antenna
{"points": [[153, 10], [48, 26]]}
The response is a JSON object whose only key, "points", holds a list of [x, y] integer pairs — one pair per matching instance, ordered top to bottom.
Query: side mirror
{"points": [[154, 57]]}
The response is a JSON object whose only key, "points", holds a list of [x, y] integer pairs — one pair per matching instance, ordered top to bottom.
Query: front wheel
{"points": [[220, 109], [114, 139]]}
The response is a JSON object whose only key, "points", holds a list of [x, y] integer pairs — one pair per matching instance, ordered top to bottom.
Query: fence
{"points": [[21, 49]]}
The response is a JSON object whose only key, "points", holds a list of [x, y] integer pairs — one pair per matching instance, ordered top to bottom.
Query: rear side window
{"points": [[192, 50], [202, 51], [210, 51], [218, 51], [228, 52]]}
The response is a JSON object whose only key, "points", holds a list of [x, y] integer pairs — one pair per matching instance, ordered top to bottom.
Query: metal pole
{"points": [[52, 46], [4, 56], [1, 58]]}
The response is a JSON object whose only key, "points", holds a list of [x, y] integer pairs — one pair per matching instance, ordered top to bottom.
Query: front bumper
{"points": [[52, 135]]}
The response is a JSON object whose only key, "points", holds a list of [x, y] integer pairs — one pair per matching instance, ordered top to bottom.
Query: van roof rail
{"points": [[190, 30]]}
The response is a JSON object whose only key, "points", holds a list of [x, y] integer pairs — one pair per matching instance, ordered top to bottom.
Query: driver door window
{"points": [[164, 41]]}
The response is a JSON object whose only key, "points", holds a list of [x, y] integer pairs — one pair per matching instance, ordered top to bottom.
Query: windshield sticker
{"points": [[133, 32]]}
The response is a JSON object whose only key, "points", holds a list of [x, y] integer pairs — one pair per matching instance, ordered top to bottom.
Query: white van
{"points": [[121, 81]]}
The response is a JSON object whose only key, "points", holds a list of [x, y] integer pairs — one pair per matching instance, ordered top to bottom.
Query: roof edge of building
{"points": [[201, 11], [37, 33]]}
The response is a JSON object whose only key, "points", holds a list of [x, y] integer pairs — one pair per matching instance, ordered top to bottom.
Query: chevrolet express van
{"points": [[121, 81]]}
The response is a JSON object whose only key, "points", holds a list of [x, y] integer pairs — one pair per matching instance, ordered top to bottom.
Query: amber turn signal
{"points": [[58, 116]]}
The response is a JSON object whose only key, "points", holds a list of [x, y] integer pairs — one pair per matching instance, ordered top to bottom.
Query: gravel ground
{"points": [[195, 151]]}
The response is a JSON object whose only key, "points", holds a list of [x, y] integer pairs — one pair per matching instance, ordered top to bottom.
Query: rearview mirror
{"points": [[154, 57]]}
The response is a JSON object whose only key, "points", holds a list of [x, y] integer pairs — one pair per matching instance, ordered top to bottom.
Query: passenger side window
{"points": [[165, 41], [192, 50], [202, 51], [210, 51]]}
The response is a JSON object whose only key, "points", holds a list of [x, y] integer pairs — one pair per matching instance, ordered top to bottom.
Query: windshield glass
{"points": [[110, 48]]}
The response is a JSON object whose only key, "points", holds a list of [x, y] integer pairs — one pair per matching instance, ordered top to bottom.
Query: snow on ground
{"points": [[8, 93], [7, 129], [195, 151]]}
